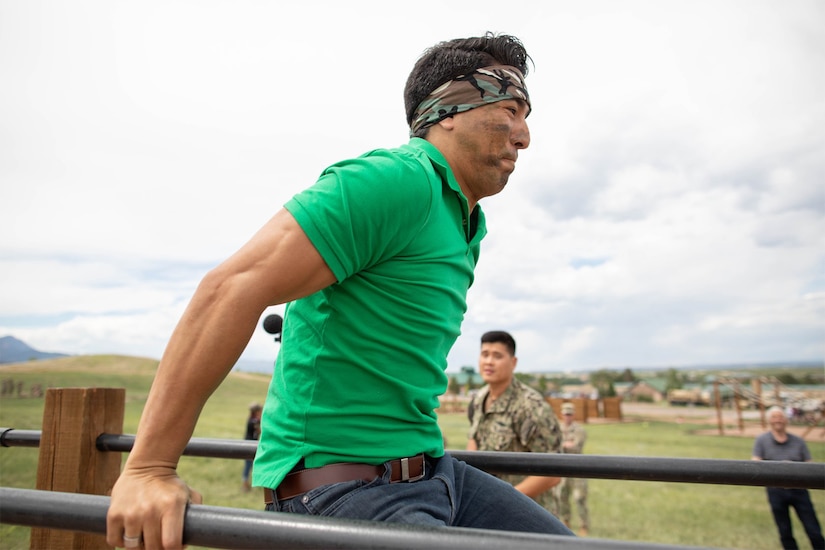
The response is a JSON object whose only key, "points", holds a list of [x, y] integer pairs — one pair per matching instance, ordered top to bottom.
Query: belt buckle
{"points": [[405, 470]]}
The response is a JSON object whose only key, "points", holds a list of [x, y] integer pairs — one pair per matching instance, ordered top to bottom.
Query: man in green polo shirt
{"points": [[374, 262]]}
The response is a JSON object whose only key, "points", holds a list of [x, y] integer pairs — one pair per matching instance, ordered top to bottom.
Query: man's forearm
{"points": [[205, 345], [533, 486]]}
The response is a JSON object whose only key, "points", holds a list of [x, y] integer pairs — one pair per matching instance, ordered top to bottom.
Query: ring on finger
{"points": [[132, 542]]}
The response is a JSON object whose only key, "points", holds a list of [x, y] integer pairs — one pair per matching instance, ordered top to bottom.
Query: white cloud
{"points": [[669, 210]]}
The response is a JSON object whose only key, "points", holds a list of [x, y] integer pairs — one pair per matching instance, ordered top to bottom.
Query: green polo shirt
{"points": [[362, 362]]}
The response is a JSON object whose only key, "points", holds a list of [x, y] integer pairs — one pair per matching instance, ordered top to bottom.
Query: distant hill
{"points": [[13, 350]]}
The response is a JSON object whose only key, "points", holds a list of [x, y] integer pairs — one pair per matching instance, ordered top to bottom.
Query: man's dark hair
{"points": [[447, 60], [500, 337]]}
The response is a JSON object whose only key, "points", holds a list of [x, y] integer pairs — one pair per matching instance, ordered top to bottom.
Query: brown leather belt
{"points": [[298, 483]]}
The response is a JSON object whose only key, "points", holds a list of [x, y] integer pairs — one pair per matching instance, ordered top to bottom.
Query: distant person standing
{"points": [[507, 415], [253, 431], [573, 438], [778, 444]]}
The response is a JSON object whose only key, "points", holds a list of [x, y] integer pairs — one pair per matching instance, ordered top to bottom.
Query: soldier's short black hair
{"points": [[447, 60], [500, 337]]}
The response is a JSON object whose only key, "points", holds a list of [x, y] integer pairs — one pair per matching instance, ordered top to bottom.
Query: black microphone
{"points": [[273, 324]]}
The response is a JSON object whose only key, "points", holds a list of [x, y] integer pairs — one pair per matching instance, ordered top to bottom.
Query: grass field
{"points": [[671, 513]]}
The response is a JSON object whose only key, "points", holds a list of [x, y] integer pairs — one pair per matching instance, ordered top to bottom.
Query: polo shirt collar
{"points": [[439, 162]]}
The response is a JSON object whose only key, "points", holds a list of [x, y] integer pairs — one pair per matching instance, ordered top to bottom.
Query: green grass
{"points": [[223, 417], [670, 513], [721, 516]]}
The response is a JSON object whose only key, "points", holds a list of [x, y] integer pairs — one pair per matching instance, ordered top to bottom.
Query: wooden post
{"points": [[757, 388], [777, 396], [736, 398], [718, 400], [555, 404], [612, 407], [593, 408], [581, 412], [69, 461]]}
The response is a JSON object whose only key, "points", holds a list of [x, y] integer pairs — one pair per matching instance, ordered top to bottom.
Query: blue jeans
{"points": [[452, 493], [782, 500]]}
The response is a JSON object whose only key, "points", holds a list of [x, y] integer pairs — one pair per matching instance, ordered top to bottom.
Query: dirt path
{"points": [[752, 425]]}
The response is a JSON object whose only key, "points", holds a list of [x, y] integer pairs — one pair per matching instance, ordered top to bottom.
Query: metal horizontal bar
{"points": [[9, 437], [197, 446], [802, 475], [217, 527]]}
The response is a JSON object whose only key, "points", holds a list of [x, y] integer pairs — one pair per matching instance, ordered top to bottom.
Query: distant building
{"points": [[467, 377], [622, 388], [643, 390], [570, 391], [804, 396]]}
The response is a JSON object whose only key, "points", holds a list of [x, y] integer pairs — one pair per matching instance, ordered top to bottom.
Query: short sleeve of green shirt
{"points": [[340, 212]]}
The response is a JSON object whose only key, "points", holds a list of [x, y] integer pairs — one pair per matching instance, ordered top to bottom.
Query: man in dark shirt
{"points": [[778, 444]]}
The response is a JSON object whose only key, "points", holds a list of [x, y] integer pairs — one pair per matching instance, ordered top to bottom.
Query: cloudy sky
{"points": [[669, 210]]}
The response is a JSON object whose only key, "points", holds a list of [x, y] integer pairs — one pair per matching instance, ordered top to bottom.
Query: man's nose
{"points": [[521, 135]]}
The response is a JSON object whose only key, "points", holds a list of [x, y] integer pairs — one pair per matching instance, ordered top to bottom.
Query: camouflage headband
{"points": [[482, 86]]}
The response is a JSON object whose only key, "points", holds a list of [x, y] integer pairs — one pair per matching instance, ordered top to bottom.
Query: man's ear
{"points": [[447, 123]]}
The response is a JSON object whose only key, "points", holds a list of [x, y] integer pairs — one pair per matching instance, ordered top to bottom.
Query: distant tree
{"points": [[627, 376], [524, 378], [787, 378], [811, 379], [674, 380], [560, 381], [603, 381], [554, 383], [542, 384], [452, 386], [610, 391]]}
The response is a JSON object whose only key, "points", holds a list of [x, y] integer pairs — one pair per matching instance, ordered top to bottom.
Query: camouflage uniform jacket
{"points": [[520, 420], [573, 433]]}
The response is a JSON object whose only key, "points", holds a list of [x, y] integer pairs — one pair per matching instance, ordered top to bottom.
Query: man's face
{"points": [[488, 139], [495, 363], [778, 422]]}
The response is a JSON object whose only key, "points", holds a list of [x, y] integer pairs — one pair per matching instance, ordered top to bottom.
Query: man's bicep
{"points": [[280, 262]]}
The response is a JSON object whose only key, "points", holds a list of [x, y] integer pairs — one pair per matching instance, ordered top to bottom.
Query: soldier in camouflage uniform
{"points": [[507, 415], [574, 437]]}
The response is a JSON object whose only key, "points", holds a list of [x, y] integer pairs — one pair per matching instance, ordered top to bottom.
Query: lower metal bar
{"points": [[217, 527]]}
